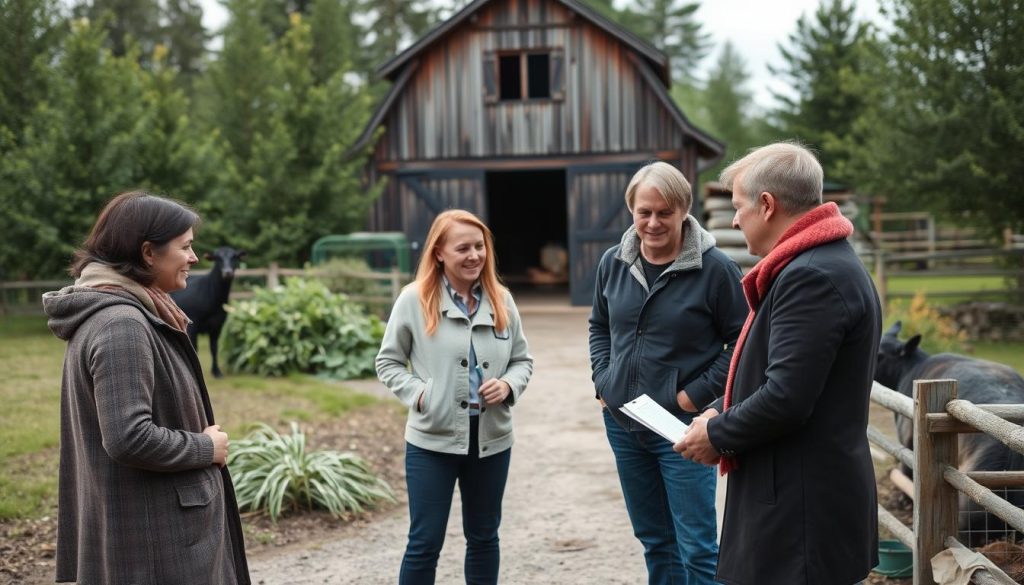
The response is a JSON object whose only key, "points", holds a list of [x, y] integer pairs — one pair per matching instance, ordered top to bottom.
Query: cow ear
{"points": [[242, 253], [208, 256], [911, 345]]}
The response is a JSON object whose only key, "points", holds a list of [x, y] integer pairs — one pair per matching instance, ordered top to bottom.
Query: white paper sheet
{"points": [[652, 415]]}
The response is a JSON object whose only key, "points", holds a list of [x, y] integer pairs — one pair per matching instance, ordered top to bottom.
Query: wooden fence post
{"points": [[273, 277], [880, 277], [396, 284], [935, 501]]}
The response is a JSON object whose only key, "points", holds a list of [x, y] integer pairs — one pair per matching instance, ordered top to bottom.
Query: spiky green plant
{"points": [[273, 472]]}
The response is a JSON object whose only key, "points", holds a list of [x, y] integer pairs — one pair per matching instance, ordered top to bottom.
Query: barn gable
{"points": [[547, 87]]}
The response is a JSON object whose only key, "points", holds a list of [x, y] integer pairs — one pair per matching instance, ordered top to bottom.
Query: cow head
{"points": [[225, 259], [895, 357]]}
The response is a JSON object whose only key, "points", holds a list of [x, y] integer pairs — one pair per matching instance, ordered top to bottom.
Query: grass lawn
{"points": [[939, 289], [31, 358]]}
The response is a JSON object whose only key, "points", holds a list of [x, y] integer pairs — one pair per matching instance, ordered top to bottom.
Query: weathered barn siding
{"points": [[607, 106], [446, 133], [413, 200], [597, 218]]}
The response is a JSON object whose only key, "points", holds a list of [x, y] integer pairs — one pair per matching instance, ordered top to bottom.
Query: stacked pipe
{"points": [[718, 214]]}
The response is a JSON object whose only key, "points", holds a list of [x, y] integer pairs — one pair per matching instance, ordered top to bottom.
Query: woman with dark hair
{"points": [[454, 352], [144, 496]]}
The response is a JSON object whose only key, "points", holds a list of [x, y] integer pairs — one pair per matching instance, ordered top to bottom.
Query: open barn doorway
{"points": [[527, 212]]}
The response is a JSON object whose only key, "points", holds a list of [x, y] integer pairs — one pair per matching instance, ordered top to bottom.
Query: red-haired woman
{"points": [[455, 354]]}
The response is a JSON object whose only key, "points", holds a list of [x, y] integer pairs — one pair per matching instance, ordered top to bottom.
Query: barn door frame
{"points": [[416, 228], [605, 229]]}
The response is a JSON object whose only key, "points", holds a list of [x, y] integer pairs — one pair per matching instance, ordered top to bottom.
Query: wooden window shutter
{"points": [[490, 65], [557, 74]]}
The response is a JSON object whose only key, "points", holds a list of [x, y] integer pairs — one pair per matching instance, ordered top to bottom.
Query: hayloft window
{"points": [[510, 68], [523, 75], [538, 83]]}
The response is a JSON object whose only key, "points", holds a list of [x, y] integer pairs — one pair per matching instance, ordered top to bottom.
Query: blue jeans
{"points": [[430, 477], [671, 504]]}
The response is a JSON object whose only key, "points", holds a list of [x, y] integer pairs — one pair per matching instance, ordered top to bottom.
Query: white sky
{"points": [[755, 27]]}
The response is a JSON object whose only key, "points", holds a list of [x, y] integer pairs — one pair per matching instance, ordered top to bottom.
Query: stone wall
{"points": [[988, 321]]}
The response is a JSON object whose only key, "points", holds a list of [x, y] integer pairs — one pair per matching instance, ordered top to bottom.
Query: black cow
{"points": [[204, 297], [979, 381]]}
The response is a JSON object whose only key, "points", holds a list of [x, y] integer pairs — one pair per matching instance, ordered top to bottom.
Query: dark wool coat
{"points": [[140, 501], [801, 506]]}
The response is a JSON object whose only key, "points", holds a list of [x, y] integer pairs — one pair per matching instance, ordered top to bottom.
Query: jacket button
{"points": [[464, 363], [486, 365], [464, 404], [483, 448]]}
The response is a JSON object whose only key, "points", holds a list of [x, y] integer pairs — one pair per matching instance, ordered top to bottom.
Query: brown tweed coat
{"points": [[140, 501]]}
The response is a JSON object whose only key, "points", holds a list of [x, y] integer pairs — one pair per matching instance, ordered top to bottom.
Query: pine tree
{"points": [[125, 22], [175, 25], [392, 25], [671, 26], [30, 34], [183, 35], [824, 67], [730, 106], [106, 125], [946, 126], [289, 129]]}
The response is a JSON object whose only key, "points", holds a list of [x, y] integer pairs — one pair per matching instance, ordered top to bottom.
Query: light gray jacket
{"points": [[411, 364]]}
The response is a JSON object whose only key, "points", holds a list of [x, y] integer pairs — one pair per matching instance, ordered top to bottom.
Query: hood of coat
{"points": [[696, 241], [71, 306]]}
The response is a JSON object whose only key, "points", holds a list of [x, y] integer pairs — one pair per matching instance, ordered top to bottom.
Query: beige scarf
{"points": [[103, 277]]}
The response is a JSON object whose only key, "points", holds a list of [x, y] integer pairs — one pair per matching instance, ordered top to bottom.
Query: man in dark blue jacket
{"points": [[667, 311], [801, 503]]}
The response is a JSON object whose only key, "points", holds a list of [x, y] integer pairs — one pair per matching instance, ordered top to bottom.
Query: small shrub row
{"points": [[301, 327]]}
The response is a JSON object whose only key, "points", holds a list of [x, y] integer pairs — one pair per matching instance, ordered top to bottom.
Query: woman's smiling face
{"points": [[463, 254], [170, 265]]}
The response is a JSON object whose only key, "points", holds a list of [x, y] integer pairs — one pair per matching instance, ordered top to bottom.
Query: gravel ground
{"points": [[564, 519]]}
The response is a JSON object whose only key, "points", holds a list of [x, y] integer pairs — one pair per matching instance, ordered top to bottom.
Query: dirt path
{"points": [[564, 518]]}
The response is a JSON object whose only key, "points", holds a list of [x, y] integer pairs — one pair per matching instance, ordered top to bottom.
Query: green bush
{"points": [[301, 327], [938, 333], [272, 472]]}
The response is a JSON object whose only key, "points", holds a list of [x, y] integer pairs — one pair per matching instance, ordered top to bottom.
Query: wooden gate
{"points": [[597, 218]]}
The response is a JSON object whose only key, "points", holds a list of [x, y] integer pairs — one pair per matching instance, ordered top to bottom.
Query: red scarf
{"points": [[821, 225]]}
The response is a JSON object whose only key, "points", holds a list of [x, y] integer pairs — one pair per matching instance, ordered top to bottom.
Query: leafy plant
{"points": [[304, 327], [938, 333], [273, 472]]}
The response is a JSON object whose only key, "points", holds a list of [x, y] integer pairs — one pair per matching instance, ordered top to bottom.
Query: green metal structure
{"points": [[382, 251]]}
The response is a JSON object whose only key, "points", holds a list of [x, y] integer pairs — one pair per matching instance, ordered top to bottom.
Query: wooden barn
{"points": [[533, 114]]}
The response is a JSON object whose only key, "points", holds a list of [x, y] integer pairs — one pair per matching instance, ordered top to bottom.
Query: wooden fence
{"points": [[1000, 262], [23, 297], [938, 417]]}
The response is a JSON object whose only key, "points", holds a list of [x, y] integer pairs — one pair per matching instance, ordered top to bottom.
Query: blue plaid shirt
{"points": [[475, 374]]}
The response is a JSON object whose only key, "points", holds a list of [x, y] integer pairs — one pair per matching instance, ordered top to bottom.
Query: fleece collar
{"points": [[696, 241]]}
